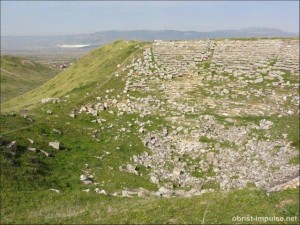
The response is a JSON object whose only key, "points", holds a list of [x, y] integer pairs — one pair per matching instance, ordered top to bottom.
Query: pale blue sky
{"points": [[56, 18]]}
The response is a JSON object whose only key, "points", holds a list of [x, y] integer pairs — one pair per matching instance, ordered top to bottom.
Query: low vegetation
{"points": [[20, 75]]}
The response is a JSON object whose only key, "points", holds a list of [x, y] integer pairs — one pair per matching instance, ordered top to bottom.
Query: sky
{"points": [[27, 18]]}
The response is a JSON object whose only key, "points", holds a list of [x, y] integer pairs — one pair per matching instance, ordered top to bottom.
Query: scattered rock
{"points": [[169, 76], [259, 80], [53, 100], [72, 115], [265, 124], [141, 130], [56, 131], [165, 132], [30, 141], [55, 144], [12, 146], [32, 149], [45, 153], [210, 157], [135, 159], [132, 169], [177, 171], [85, 179], [154, 180], [292, 184], [55, 190], [103, 192], [143, 192], [164, 192], [126, 193]]}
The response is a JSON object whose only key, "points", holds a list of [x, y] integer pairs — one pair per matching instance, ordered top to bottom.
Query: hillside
{"points": [[85, 72], [20, 75], [157, 132]]}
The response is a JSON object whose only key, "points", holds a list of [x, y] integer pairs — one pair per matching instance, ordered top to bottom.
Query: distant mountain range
{"points": [[190, 35], [55, 44]]}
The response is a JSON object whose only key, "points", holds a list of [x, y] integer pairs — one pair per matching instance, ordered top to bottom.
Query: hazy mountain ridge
{"points": [[26, 44]]}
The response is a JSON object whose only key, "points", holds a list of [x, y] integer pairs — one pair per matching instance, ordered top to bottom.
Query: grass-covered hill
{"points": [[94, 67], [20, 75], [40, 188]]}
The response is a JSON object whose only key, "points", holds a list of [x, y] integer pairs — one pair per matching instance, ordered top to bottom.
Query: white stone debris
{"points": [[204, 90], [53, 100], [55, 144]]}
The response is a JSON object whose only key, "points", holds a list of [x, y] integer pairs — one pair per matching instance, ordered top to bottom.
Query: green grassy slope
{"points": [[95, 67], [20, 75], [27, 176], [90, 208]]}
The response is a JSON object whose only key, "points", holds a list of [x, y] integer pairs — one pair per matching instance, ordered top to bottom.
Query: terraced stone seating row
{"points": [[178, 57]]}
